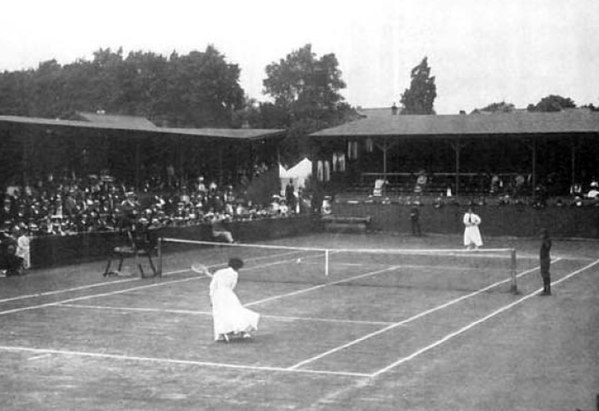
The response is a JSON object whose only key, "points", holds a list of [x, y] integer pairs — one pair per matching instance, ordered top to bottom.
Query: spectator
{"points": [[170, 175], [421, 182], [201, 185], [496, 185], [594, 190], [290, 196], [326, 206], [129, 208], [284, 210], [8, 211], [415, 220], [219, 232], [23, 249], [545, 261], [10, 263]]}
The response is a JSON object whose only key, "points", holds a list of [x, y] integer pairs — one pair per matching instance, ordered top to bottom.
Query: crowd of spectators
{"points": [[487, 188], [69, 205]]}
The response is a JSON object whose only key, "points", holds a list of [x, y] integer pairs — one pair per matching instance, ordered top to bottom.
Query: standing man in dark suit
{"points": [[415, 220], [545, 260]]}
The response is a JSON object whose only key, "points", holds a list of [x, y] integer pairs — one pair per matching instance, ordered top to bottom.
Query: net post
{"points": [[326, 262], [159, 268], [513, 270]]}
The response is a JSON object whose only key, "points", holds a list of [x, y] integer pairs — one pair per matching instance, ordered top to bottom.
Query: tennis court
{"points": [[341, 328]]}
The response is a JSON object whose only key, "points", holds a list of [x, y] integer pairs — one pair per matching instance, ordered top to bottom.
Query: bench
{"points": [[346, 223]]}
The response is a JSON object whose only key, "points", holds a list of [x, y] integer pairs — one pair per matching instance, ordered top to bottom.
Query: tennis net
{"points": [[494, 270]]}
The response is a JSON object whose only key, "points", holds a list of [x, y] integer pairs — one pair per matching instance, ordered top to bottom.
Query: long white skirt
{"points": [[472, 236], [230, 316]]}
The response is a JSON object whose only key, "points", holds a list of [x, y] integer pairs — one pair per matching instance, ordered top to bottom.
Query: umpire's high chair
{"points": [[139, 244]]}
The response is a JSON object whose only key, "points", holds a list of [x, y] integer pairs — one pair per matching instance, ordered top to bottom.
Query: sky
{"points": [[480, 51]]}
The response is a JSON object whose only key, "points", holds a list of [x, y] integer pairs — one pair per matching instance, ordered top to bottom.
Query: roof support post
{"points": [[575, 145], [385, 147], [457, 147], [533, 148], [385, 159], [137, 161], [534, 166]]}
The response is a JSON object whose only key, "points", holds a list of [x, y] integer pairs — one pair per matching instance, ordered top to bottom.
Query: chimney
{"points": [[394, 110]]}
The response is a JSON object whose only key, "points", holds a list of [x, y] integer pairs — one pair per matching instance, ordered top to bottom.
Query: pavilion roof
{"points": [[122, 123], [377, 123]]}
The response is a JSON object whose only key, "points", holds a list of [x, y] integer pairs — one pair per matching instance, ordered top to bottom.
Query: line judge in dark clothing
{"points": [[415, 219], [545, 260]]}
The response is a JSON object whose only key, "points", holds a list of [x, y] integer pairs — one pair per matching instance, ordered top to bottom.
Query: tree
{"points": [[143, 79], [304, 85], [202, 90], [306, 93], [420, 97], [553, 103], [501, 107], [590, 107]]}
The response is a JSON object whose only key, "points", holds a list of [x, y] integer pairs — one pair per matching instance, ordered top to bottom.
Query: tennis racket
{"points": [[200, 269]]}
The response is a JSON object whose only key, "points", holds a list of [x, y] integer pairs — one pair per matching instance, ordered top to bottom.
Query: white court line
{"points": [[107, 283], [66, 290], [305, 290], [110, 293], [87, 297], [208, 313], [408, 320], [475, 323], [39, 357], [121, 357]]}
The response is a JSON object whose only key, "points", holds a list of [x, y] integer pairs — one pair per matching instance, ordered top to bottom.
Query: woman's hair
{"points": [[235, 263]]}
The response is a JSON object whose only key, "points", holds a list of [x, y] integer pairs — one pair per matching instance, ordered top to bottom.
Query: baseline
{"points": [[43, 351]]}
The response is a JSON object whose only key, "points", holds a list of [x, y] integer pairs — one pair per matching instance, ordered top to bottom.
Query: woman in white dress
{"points": [[472, 237], [229, 316]]}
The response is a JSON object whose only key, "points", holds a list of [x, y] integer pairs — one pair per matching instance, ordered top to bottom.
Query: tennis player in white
{"points": [[472, 237], [229, 316]]}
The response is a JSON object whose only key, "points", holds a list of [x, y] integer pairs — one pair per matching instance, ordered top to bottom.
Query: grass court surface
{"points": [[378, 333]]}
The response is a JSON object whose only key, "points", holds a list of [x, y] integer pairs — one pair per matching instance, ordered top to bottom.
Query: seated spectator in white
{"points": [[421, 181], [496, 184], [201, 185], [379, 187], [594, 190], [185, 197], [275, 204], [326, 206], [229, 208], [283, 208], [240, 210], [219, 232], [23, 248]]}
